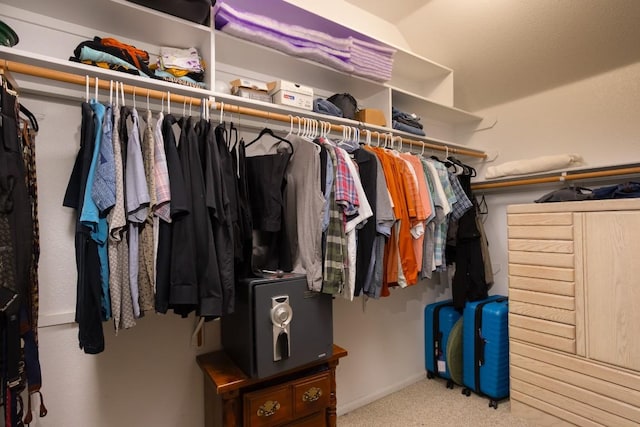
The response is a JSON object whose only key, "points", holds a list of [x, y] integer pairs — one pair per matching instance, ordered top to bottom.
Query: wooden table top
{"points": [[226, 376]]}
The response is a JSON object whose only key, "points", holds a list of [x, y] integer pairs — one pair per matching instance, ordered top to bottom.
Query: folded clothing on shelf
{"points": [[113, 54], [349, 55], [183, 66], [322, 106], [407, 122], [406, 128]]}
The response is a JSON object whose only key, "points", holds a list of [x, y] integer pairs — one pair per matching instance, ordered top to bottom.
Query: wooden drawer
{"points": [[562, 218], [541, 232], [546, 246], [541, 258], [542, 285], [311, 395], [268, 407], [316, 420]]}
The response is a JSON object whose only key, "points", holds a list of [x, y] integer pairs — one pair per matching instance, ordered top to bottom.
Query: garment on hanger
{"points": [[266, 194], [137, 204], [219, 212], [366, 235], [19, 240], [118, 245], [175, 258], [146, 265], [90, 334]]}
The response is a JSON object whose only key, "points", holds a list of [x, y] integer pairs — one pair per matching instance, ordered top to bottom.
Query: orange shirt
{"points": [[394, 168], [424, 202]]}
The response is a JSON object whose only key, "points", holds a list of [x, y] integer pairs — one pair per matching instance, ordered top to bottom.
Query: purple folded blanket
{"points": [[349, 55]]}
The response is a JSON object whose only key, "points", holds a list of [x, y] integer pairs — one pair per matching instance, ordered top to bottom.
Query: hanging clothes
{"points": [[267, 185], [137, 203], [303, 212], [219, 214], [366, 235], [118, 246], [19, 257], [175, 265], [146, 266], [469, 281], [208, 297], [90, 334]]}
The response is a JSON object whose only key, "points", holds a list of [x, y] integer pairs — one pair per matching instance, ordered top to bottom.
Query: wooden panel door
{"points": [[612, 285]]}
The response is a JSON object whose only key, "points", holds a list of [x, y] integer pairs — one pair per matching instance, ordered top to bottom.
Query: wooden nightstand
{"points": [[304, 396]]}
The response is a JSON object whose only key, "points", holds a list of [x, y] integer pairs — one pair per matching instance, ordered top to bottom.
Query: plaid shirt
{"points": [[161, 174], [346, 194], [462, 204], [334, 274]]}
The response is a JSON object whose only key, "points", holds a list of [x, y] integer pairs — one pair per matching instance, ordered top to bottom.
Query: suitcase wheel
{"points": [[430, 375], [450, 384], [466, 391], [493, 404]]}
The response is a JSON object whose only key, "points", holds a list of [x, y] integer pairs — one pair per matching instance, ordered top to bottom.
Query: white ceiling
{"points": [[502, 50]]}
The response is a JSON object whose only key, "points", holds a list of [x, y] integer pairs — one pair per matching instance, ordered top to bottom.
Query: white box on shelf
{"points": [[292, 94]]}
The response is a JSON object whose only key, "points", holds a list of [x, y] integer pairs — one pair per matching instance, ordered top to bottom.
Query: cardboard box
{"points": [[250, 84], [251, 94], [292, 94], [372, 116]]}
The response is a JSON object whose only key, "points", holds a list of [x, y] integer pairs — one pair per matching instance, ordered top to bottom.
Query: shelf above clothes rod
{"points": [[193, 100], [624, 170]]}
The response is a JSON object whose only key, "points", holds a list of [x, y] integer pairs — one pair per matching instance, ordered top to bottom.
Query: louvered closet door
{"points": [[544, 258]]}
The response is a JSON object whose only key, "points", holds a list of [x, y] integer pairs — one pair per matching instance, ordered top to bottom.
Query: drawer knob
{"points": [[312, 394], [268, 408]]}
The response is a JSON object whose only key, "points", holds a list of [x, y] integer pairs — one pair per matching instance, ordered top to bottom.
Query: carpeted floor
{"points": [[430, 403]]}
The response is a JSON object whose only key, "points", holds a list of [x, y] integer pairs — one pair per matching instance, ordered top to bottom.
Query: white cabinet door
{"points": [[612, 282]]}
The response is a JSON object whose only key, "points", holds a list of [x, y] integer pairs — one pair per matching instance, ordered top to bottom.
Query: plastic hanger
{"points": [[86, 88], [30, 116], [267, 131]]}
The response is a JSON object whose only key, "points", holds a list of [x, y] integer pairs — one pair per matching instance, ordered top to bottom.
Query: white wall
{"points": [[598, 118]]}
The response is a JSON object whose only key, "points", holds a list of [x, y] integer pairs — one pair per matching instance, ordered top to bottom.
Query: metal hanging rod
{"points": [[46, 73], [622, 170]]}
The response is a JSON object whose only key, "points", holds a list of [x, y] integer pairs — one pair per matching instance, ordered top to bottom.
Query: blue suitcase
{"points": [[439, 319], [485, 348]]}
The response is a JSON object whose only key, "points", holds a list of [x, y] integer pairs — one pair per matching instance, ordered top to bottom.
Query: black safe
{"points": [[278, 324]]}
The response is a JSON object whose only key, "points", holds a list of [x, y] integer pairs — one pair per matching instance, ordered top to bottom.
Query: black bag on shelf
{"points": [[192, 10], [346, 103]]}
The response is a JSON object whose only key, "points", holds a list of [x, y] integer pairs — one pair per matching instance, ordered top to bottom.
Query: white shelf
{"points": [[118, 17], [30, 58], [430, 109]]}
